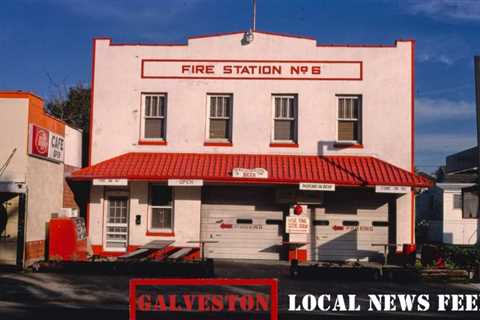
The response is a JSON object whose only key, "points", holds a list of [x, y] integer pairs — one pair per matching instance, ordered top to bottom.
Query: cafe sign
{"points": [[45, 144]]}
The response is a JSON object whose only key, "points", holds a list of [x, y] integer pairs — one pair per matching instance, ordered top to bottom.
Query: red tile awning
{"points": [[282, 169]]}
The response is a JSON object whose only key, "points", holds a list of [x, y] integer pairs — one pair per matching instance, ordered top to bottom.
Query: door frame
{"points": [[108, 194]]}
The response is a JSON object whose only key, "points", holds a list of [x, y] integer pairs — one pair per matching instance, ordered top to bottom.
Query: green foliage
{"points": [[73, 107], [461, 256]]}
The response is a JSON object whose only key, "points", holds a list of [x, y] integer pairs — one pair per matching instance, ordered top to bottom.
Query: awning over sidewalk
{"points": [[282, 169]]}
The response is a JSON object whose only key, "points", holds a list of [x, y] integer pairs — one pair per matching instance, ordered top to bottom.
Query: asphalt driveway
{"points": [[28, 295]]}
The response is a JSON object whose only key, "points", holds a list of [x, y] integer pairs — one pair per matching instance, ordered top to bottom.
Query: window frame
{"points": [[294, 96], [143, 117], [359, 119], [229, 139], [112, 193], [455, 198], [160, 231]]}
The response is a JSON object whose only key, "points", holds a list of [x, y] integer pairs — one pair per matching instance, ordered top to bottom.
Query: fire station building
{"points": [[264, 149]]}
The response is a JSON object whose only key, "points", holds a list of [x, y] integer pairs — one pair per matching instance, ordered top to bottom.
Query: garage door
{"points": [[244, 228], [351, 231]]}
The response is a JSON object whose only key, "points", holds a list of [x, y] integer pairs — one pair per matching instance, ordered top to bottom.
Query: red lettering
{"points": [[185, 68], [210, 69], [227, 69], [277, 69], [294, 70], [316, 70], [172, 299], [188, 299], [231, 300], [144, 302], [202, 302], [247, 302], [262, 302], [217, 303], [160, 304]]}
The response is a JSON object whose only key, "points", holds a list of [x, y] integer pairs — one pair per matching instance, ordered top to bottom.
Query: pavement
{"points": [[28, 295]]}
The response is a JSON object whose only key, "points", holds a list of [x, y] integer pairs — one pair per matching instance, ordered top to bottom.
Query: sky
{"points": [[46, 43]]}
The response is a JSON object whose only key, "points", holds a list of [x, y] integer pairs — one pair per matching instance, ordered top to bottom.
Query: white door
{"points": [[116, 224], [241, 232], [344, 237]]}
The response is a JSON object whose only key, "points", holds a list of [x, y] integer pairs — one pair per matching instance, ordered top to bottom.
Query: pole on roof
{"points": [[254, 17]]}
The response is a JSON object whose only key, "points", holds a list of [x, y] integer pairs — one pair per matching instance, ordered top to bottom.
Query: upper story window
{"points": [[154, 116], [285, 118], [349, 119], [219, 125], [457, 201]]}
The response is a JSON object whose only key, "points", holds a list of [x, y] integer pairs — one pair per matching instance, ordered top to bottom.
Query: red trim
{"points": [[326, 45], [359, 78], [90, 121], [412, 134], [152, 143], [218, 144], [283, 145], [348, 145], [160, 234], [98, 250], [271, 283]]}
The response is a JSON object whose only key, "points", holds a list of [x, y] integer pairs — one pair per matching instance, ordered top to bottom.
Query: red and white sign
{"points": [[251, 69], [45, 144], [256, 173], [297, 224]]}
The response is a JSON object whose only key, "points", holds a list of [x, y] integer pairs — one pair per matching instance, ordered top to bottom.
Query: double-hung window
{"points": [[154, 116], [220, 117], [285, 118], [349, 119], [161, 209]]}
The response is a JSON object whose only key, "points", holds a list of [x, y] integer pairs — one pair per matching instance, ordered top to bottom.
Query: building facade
{"points": [[268, 149], [36, 151], [449, 210]]}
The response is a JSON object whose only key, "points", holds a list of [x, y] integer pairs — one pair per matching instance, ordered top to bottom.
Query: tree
{"points": [[72, 105]]}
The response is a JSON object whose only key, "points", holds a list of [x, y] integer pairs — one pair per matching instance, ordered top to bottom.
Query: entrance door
{"points": [[116, 224], [9, 231]]}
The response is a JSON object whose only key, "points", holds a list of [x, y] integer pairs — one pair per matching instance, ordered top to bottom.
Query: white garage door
{"points": [[244, 230], [344, 234]]}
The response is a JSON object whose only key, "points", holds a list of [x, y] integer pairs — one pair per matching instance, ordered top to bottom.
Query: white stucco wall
{"points": [[386, 91], [14, 132], [73, 147], [45, 195], [187, 202], [405, 221], [457, 230]]}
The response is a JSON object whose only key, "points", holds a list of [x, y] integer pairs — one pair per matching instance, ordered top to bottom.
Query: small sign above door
{"points": [[256, 173], [110, 182], [185, 182], [317, 186], [392, 189]]}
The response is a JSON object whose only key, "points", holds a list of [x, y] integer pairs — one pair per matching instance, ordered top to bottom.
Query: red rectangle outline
{"points": [[142, 73], [272, 283]]}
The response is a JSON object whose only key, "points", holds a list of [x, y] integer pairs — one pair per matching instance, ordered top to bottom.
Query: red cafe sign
{"points": [[251, 69], [45, 144]]}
